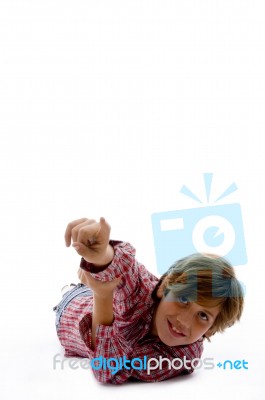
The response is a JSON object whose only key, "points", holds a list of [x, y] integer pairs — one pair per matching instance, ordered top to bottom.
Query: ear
{"points": [[209, 333]]}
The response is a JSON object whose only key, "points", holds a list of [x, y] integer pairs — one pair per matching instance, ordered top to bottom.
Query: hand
{"points": [[90, 240], [100, 289]]}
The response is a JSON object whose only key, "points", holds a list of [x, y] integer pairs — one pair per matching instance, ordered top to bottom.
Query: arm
{"points": [[91, 240], [102, 301]]}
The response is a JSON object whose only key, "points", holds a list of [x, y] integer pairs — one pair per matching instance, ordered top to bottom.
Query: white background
{"points": [[107, 108]]}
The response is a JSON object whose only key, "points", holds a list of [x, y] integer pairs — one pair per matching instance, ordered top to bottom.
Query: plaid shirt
{"points": [[133, 305]]}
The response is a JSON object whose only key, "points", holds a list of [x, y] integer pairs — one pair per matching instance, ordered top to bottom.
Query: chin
{"points": [[170, 342]]}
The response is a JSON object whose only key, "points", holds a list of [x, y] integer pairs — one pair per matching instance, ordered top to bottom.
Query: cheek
{"points": [[170, 307], [162, 312], [201, 328]]}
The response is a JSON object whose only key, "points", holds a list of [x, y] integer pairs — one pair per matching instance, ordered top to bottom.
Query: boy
{"points": [[123, 312]]}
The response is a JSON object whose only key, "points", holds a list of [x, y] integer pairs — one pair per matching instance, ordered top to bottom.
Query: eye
{"points": [[183, 300], [203, 316]]}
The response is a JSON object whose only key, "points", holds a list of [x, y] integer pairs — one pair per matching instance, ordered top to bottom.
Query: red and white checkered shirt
{"points": [[129, 336]]}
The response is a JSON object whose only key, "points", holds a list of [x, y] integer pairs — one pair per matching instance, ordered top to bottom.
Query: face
{"points": [[177, 321]]}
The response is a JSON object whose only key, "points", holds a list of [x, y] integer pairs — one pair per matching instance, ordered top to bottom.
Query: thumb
{"points": [[104, 225]]}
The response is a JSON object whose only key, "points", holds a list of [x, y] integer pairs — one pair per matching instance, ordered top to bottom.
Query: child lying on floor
{"points": [[134, 326]]}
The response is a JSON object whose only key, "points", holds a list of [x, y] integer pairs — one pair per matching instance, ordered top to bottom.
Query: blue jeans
{"points": [[78, 290]]}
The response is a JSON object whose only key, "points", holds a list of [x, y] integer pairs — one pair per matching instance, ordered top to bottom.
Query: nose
{"points": [[185, 320]]}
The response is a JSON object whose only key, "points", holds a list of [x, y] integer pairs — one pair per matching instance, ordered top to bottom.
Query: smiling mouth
{"points": [[174, 331]]}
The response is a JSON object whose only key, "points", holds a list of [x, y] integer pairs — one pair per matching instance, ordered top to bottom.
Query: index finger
{"points": [[70, 226]]}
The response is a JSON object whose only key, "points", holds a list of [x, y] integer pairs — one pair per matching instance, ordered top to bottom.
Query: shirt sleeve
{"points": [[123, 265], [132, 297], [109, 350]]}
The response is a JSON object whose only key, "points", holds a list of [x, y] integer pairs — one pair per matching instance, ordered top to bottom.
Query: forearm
{"points": [[105, 258], [102, 291], [102, 313]]}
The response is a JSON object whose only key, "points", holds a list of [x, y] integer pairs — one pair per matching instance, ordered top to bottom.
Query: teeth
{"points": [[175, 329]]}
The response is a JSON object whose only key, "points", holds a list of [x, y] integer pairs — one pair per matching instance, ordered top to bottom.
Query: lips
{"points": [[174, 331]]}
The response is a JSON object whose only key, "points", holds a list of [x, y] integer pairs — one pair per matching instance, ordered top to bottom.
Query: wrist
{"points": [[106, 258]]}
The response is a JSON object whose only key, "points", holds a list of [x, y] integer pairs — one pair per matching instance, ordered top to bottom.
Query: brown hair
{"points": [[208, 280]]}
